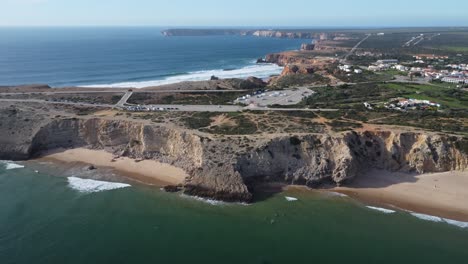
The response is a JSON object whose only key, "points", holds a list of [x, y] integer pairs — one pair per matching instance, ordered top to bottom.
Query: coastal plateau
{"points": [[227, 168]]}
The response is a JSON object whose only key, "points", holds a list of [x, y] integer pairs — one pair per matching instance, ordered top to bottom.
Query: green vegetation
{"points": [[365, 76], [299, 79], [200, 98], [449, 98], [453, 116], [198, 120], [342, 125], [243, 126]]}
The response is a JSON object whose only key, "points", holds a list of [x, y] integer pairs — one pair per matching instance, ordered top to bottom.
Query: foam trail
{"points": [[258, 70], [9, 165], [90, 186], [338, 194], [291, 199], [204, 200], [383, 210], [428, 217], [440, 220], [456, 223]]}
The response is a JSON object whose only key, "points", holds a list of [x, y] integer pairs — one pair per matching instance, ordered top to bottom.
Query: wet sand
{"points": [[146, 171], [440, 194]]}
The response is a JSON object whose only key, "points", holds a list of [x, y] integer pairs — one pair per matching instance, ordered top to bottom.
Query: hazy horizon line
{"points": [[231, 27]]}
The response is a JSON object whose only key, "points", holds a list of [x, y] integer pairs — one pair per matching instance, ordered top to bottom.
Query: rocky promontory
{"points": [[226, 168]]}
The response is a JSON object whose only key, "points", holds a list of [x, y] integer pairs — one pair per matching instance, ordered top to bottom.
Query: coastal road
{"points": [[355, 47], [121, 92], [124, 99], [180, 108], [231, 108]]}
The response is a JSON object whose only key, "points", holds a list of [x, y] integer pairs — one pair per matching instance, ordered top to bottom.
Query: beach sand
{"points": [[146, 171], [439, 194]]}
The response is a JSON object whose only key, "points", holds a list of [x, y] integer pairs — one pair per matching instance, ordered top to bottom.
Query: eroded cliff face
{"points": [[300, 62], [225, 168]]}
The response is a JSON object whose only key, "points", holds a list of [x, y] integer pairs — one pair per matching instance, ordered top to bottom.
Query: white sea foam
{"points": [[259, 70], [10, 165], [90, 186], [338, 194], [290, 199], [204, 200], [383, 210], [428, 217], [440, 220], [456, 223]]}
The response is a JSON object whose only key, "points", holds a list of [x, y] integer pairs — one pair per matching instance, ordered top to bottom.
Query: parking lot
{"points": [[284, 97]]}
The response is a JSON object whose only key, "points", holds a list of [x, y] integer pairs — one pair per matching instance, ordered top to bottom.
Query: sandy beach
{"points": [[146, 171], [439, 194]]}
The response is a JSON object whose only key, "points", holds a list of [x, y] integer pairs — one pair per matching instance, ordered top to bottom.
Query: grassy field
{"points": [[456, 48], [448, 98], [453, 116]]}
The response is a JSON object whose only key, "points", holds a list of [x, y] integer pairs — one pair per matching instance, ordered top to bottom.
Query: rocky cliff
{"points": [[241, 32], [302, 62], [225, 168]]}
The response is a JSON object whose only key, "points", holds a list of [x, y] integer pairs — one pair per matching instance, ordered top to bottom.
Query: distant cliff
{"points": [[240, 32], [225, 168]]}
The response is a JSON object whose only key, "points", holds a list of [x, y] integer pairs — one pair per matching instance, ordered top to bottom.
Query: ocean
{"points": [[129, 56], [54, 216]]}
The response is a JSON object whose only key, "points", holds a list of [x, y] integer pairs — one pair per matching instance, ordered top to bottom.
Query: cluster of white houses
{"points": [[382, 65], [349, 69], [455, 73], [406, 104]]}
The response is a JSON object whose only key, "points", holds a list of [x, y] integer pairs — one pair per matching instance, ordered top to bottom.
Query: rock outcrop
{"points": [[306, 46], [302, 62], [225, 168]]}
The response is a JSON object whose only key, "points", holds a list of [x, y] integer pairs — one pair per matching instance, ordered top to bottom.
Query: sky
{"points": [[265, 13]]}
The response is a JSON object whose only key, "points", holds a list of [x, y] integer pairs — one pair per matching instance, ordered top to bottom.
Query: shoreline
{"points": [[149, 172], [438, 194]]}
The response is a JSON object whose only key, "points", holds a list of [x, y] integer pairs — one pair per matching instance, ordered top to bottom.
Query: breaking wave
{"points": [[258, 70], [10, 165], [91, 186], [337, 194], [291, 199], [204, 200], [383, 210], [428, 217], [441, 220], [456, 223]]}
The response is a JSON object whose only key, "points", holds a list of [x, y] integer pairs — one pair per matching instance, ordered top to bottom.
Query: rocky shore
{"points": [[226, 168]]}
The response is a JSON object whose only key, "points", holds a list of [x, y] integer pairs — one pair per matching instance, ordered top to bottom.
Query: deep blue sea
{"points": [[128, 56]]}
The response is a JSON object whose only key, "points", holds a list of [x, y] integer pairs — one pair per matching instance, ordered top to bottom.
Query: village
{"points": [[428, 68], [451, 73]]}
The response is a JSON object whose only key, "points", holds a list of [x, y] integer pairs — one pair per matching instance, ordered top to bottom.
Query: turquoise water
{"points": [[44, 220]]}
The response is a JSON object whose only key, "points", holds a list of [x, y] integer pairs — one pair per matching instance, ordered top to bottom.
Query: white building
{"points": [[390, 61], [401, 68], [456, 80]]}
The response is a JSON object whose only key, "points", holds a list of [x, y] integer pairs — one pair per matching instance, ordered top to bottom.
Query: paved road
{"points": [[355, 47], [123, 91], [124, 99], [179, 108]]}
